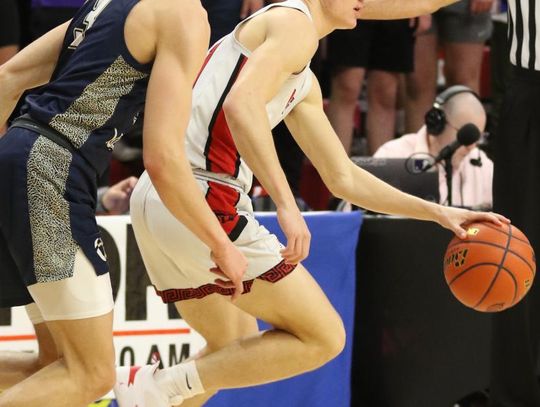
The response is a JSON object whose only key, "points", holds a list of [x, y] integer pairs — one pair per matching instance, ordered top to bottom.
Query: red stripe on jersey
{"points": [[207, 59], [220, 151], [222, 200]]}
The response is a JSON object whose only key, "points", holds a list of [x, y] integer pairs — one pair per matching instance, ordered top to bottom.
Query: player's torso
{"points": [[98, 88], [210, 145]]}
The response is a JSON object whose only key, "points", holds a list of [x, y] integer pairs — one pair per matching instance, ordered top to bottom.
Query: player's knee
{"points": [[335, 339], [329, 343], [46, 357], [99, 381]]}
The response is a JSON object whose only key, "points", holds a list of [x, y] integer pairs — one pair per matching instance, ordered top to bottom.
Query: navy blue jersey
{"points": [[97, 88]]}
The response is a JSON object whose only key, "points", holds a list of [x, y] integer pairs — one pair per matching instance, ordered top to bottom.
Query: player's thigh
{"points": [[296, 304], [77, 312], [217, 319], [86, 345]]}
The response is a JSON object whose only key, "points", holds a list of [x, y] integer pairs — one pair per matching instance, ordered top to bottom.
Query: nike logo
{"points": [[187, 382]]}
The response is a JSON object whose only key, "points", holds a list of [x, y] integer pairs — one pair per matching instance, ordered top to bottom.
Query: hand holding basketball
{"points": [[454, 219], [492, 268]]}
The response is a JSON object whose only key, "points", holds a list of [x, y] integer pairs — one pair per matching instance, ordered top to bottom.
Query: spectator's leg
{"points": [[463, 63], [421, 84], [346, 86], [382, 100]]}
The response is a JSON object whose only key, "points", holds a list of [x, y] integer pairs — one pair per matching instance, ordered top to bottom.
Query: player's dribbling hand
{"points": [[455, 218], [297, 233], [231, 264]]}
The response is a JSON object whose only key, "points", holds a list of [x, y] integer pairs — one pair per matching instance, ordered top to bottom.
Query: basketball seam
{"points": [[506, 233], [499, 247], [488, 264], [470, 268], [498, 270]]}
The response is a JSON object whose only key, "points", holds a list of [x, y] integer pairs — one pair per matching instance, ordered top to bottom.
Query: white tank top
{"points": [[209, 143]]}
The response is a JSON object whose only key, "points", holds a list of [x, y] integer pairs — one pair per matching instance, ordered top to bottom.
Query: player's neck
{"points": [[323, 25]]}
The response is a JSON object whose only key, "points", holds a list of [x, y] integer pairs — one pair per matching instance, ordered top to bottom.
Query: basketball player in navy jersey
{"points": [[96, 72], [252, 79]]}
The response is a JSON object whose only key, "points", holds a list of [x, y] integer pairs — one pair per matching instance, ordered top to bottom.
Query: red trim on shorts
{"points": [[220, 151], [273, 275]]}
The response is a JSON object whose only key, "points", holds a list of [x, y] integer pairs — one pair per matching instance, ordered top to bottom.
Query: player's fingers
{"points": [[495, 218], [502, 218], [459, 232], [305, 247], [289, 252], [296, 255], [217, 270], [224, 283], [239, 289]]}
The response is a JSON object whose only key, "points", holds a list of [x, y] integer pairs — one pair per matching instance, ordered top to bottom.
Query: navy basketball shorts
{"points": [[47, 219]]}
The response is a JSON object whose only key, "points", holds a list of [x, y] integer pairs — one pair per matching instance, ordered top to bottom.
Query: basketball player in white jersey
{"points": [[140, 51], [251, 80]]}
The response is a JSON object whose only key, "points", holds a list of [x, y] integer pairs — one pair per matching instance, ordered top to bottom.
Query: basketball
{"points": [[492, 268]]}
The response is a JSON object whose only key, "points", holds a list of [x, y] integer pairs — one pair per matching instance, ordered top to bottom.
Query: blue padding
{"points": [[332, 263]]}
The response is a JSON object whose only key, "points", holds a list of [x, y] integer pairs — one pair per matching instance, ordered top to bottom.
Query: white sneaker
{"points": [[136, 387]]}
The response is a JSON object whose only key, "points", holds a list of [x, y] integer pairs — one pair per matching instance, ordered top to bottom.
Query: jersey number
{"points": [[89, 20]]}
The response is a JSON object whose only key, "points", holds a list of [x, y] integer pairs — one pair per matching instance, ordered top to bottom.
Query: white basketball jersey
{"points": [[209, 143]]}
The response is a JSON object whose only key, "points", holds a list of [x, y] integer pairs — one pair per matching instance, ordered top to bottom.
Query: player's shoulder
{"points": [[175, 11], [176, 19], [292, 20], [294, 27]]}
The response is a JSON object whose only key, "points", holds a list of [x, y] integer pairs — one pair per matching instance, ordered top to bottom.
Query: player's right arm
{"points": [[182, 35], [276, 54], [31, 67], [313, 132]]}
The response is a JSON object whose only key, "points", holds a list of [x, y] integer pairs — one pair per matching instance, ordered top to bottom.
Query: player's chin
{"points": [[347, 24]]}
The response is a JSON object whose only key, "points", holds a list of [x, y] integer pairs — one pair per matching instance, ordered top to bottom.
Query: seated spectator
{"points": [[473, 170], [114, 200]]}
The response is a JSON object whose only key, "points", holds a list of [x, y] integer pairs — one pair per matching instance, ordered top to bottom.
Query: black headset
{"points": [[435, 117]]}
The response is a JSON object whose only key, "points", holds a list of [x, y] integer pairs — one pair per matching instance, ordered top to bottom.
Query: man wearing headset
{"points": [[472, 169]]}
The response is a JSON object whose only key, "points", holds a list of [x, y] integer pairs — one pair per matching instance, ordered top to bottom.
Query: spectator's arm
{"points": [[396, 9]]}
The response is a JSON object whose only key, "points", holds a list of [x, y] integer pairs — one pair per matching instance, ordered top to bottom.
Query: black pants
{"points": [[516, 189]]}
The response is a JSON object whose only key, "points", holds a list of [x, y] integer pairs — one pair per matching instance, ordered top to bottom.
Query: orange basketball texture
{"points": [[492, 269]]}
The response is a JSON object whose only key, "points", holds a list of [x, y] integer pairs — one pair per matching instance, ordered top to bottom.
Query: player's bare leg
{"points": [[220, 323], [307, 333], [17, 366], [84, 371]]}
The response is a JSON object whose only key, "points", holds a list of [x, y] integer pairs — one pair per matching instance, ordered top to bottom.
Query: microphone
{"points": [[467, 135]]}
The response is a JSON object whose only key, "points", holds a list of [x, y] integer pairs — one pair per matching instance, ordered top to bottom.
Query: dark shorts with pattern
{"points": [[47, 212]]}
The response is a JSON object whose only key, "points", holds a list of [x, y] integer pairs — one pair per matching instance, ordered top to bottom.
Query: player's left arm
{"points": [[396, 9], [31, 67], [316, 137]]}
